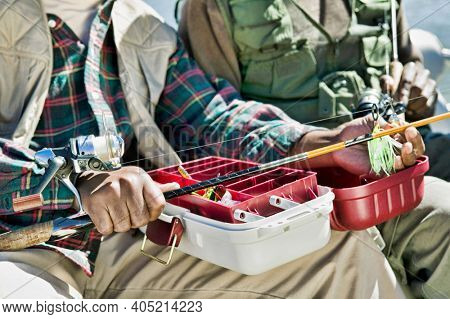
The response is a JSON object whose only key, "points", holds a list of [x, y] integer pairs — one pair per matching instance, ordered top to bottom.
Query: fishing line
{"points": [[243, 137]]}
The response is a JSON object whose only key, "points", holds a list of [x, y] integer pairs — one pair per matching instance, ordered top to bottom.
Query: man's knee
{"points": [[437, 195]]}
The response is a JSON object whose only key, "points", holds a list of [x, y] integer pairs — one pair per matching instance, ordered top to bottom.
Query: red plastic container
{"points": [[252, 191], [361, 202]]}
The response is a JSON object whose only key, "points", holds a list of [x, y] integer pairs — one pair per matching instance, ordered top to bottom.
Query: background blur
{"points": [[417, 11]]}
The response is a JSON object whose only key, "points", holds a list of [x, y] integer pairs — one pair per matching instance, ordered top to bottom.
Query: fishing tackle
{"points": [[380, 105], [382, 151], [215, 193], [28, 235]]}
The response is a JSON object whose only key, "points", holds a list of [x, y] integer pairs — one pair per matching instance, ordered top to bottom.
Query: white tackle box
{"points": [[256, 245]]}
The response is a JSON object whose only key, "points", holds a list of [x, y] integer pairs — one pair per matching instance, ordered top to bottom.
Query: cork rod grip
{"points": [[26, 237]]}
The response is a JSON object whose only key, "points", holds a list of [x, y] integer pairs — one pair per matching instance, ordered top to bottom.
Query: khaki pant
{"points": [[350, 266]]}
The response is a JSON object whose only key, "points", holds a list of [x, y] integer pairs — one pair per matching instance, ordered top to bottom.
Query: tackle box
{"points": [[279, 215], [256, 246]]}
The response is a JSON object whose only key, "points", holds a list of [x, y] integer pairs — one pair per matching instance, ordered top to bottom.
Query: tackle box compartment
{"points": [[252, 191], [362, 201]]}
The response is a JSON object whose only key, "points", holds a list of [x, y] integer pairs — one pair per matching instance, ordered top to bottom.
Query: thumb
{"points": [[168, 187]]}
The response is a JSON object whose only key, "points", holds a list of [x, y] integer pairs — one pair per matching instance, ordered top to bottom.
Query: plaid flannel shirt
{"points": [[194, 110]]}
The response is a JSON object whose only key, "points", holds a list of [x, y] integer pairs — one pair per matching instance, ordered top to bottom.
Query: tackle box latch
{"points": [[164, 234]]}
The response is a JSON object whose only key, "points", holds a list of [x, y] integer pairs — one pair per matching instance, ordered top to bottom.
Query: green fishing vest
{"points": [[274, 41]]}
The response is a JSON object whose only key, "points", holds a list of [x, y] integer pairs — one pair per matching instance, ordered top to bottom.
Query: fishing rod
{"points": [[396, 67], [300, 157], [64, 227]]}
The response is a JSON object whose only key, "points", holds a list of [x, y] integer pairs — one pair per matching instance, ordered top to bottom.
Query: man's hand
{"points": [[416, 90], [355, 159], [123, 199]]}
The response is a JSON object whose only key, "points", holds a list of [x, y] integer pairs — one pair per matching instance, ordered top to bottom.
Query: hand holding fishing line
{"points": [[411, 83], [356, 159]]}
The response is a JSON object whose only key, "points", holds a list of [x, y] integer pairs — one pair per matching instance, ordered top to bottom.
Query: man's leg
{"points": [[437, 142], [438, 150], [417, 243], [350, 266], [38, 273]]}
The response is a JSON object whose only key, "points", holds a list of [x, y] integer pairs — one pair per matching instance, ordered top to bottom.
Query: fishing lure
{"points": [[382, 152], [214, 193]]}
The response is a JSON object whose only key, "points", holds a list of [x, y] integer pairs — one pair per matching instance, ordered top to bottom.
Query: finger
{"points": [[409, 72], [387, 83], [419, 83], [429, 89], [403, 92], [423, 106], [413, 136], [400, 138], [408, 155], [398, 163], [168, 187], [154, 199], [116, 201], [138, 210], [120, 216], [101, 219]]}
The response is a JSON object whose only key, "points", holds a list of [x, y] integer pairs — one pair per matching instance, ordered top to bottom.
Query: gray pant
{"points": [[437, 143], [418, 243]]}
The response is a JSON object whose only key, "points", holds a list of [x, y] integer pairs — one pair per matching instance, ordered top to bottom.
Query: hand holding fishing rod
{"points": [[84, 153]]}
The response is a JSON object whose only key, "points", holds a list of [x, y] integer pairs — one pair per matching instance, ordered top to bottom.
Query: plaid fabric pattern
{"points": [[198, 109], [194, 110], [67, 113]]}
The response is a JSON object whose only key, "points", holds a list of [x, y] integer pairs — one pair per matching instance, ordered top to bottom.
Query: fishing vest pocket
{"points": [[371, 12], [260, 24], [376, 47], [377, 50], [289, 76], [338, 96]]}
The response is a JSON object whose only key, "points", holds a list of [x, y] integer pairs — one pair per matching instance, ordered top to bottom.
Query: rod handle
{"points": [[26, 237]]}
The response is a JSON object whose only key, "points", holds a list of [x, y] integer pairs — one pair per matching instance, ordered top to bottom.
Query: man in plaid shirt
{"points": [[118, 58]]}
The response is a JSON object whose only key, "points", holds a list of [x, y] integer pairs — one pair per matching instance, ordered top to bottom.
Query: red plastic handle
{"points": [[162, 233]]}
